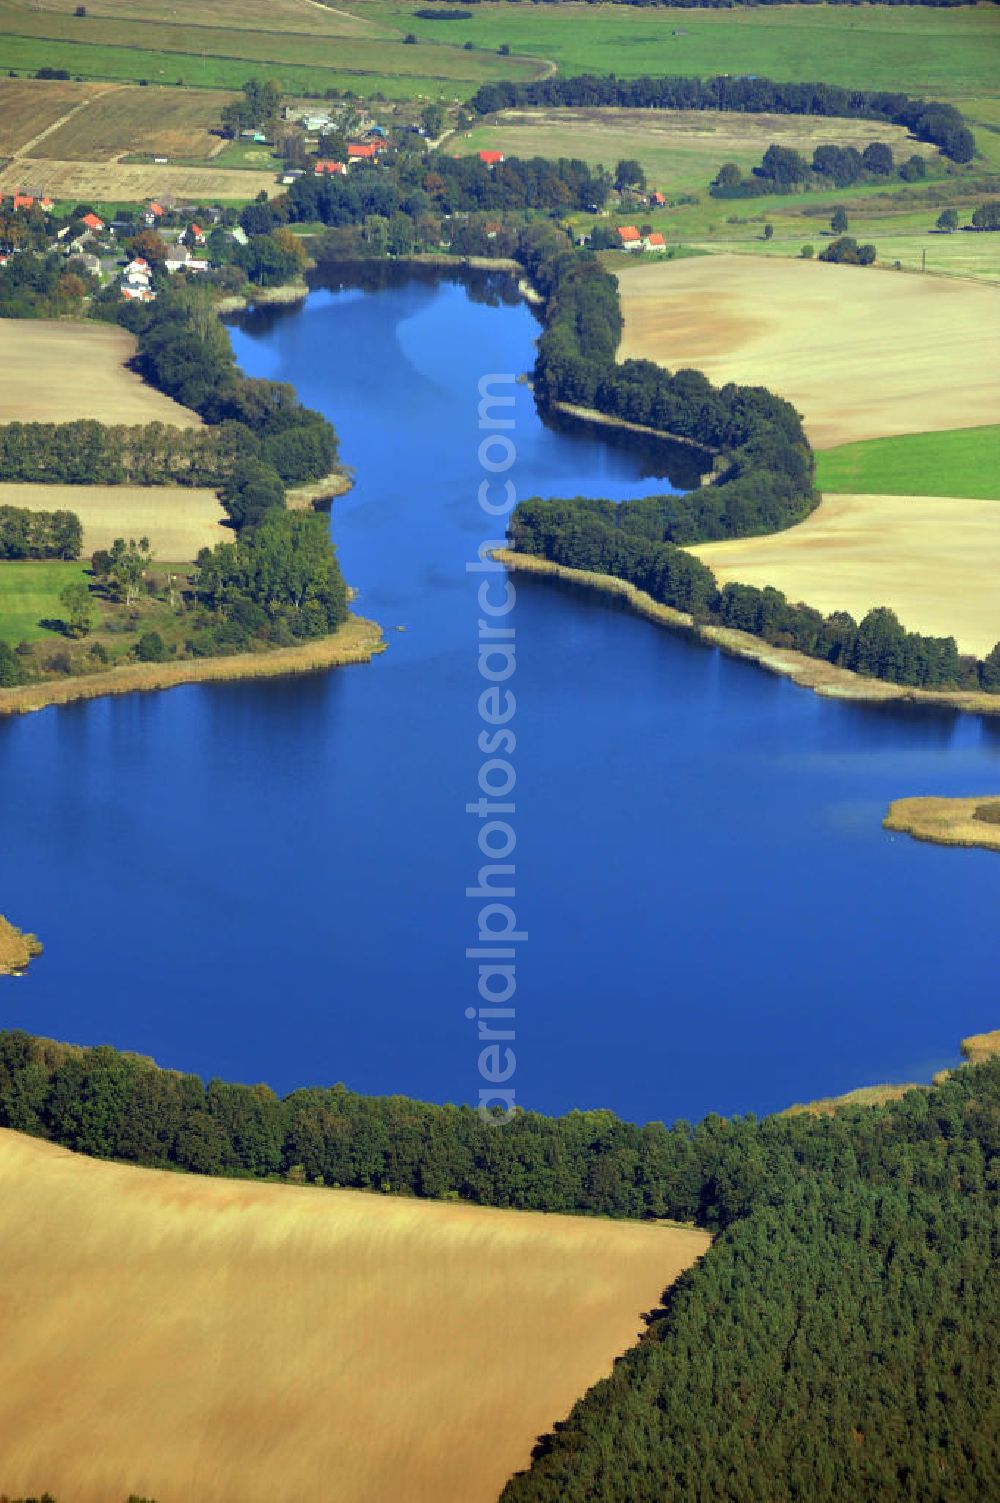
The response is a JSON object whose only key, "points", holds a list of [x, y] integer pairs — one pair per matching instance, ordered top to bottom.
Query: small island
{"points": [[948, 821], [16, 949]]}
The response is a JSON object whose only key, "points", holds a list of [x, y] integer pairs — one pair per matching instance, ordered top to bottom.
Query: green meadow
{"points": [[945, 53], [959, 462], [29, 594]]}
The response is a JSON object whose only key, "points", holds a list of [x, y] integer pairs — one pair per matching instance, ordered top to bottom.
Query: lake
{"points": [[266, 881]]}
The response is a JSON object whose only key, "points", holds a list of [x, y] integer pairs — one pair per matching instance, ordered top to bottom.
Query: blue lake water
{"points": [[267, 880]]}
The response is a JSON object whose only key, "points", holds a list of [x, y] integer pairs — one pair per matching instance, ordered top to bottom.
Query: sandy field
{"points": [[255, 15], [120, 182], [862, 353], [54, 370], [178, 520], [935, 560], [182, 1337]]}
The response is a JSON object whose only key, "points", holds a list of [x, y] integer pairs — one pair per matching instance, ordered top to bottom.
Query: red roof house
{"points": [[363, 149], [491, 158], [332, 169], [657, 198], [92, 222], [197, 234], [629, 236], [655, 241]]}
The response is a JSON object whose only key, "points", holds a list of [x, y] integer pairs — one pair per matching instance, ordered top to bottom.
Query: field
{"points": [[334, 51], [942, 54], [29, 108], [164, 122], [681, 150], [119, 182], [862, 353], [53, 371], [963, 462], [178, 520], [934, 560], [29, 594], [248, 1343]]}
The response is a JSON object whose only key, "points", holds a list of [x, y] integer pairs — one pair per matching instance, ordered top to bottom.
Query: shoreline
{"points": [[238, 302], [605, 420], [327, 488], [357, 641], [809, 673], [946, 821], [974, 1049]]}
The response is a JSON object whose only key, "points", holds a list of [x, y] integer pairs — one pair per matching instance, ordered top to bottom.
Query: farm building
{"points": [[360, 151], [491, 158], [630, 238], [654, 242]]}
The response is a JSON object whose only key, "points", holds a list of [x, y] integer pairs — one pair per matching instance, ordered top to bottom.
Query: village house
{"points": [[360, 151], [491, 158], [330, 169], [657, 199], [31, 200], [154, 212], [92, 222], [196, 235], [630, 238], [654, 242], [136, 282]]}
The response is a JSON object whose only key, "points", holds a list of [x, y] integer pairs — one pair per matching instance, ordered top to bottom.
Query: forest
{"points": [[940, 124], [838, 1340]]}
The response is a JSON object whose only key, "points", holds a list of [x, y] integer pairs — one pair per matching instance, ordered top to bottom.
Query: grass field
{"points": [[943, 54], [204, 55], [681, 150], [862, 353], [52, 371], [964, 462], [178, 520], [935, 561], [29, 594], [244, 1343]]}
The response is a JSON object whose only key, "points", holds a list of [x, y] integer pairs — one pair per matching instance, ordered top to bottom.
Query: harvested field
{"points": [[30, 106], [166, 122], [116, 182], [861, 353], [52, 371], [178, 520], [934, 560], [247, 1343]]}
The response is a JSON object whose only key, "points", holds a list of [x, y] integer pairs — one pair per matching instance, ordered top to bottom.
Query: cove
{"points": [[266, 881]]}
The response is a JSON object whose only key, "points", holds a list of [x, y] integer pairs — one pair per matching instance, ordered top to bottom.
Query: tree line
{"points": [[929, 120], [784, 170], [88, 452], [39, 534], [638, 541], [838, 1338]]}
